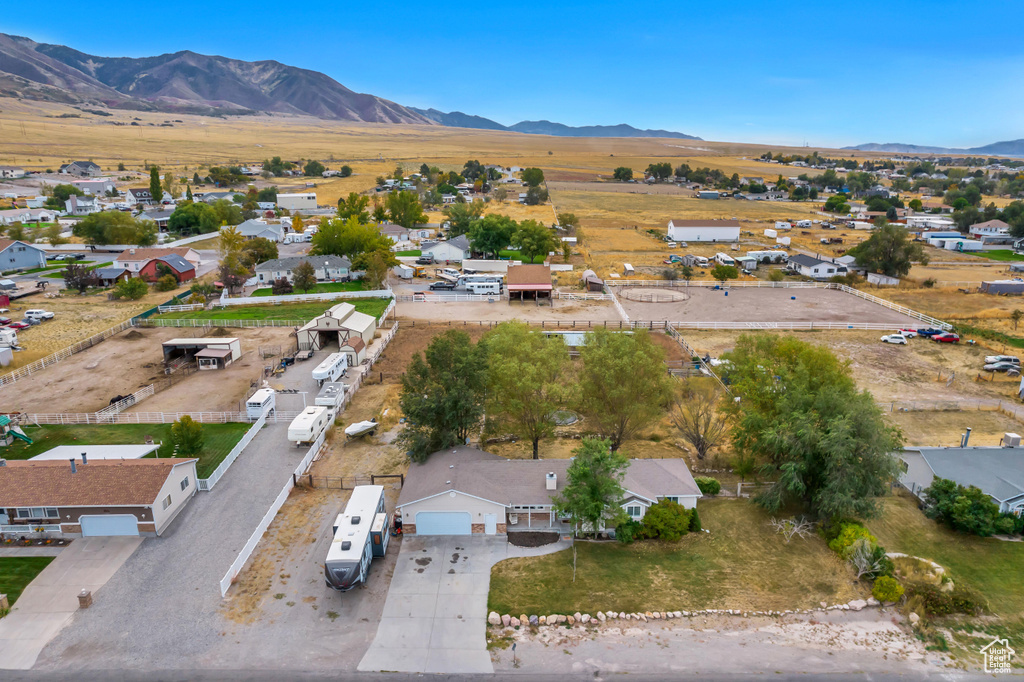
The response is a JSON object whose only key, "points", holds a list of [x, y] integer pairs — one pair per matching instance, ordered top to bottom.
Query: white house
{"points": [[86, 169], [11, 172], [94, 186], [303, 201], [76, 205], [27, 215], [989, 228], [252, 229], [704, 230], [453, 250], [326, 268], [815, 268], [997, 471], [463, 491]]}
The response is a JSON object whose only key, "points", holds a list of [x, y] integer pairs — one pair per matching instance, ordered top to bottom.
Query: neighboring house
{"points": [[85, 169], [11, 172], [96, 187], [138, 195], [210, 197], [303, 201], [76, 205], [27, 215], [162, 218], [989, 228], [253, 229], [704, 230], [421, 232], [396, 233], [454, 250], [17, 255], [135, 259], [327, 268], [815, 268], [154, 269], [108, 277], [528, 281], [340, 323], [997, 471], [462, 491], [97, 497]]}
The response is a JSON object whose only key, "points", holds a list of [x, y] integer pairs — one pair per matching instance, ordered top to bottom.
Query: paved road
{"points": [[51, 600], [161, 609], [435, 616]]}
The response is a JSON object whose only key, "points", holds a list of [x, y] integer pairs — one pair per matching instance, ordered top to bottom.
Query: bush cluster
{"points": [[708, 485], [967, 509], [666, 520], [847, 534], [887, 588], [935, 602]]}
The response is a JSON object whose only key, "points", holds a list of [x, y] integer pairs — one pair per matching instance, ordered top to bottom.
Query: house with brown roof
{"points": [[135, 259], [529, 281], [465, 490], [97, 497]]}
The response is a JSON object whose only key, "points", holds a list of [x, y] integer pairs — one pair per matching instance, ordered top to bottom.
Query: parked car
{"points": [[62, 256], [79, 256], [424, 260], [442, 286], [39, 313], [4, 321], [31, 321], [19, 325], [930, 331], [909, 333], [947, 337], [894, 338], [989, 359], [1003, 366]]}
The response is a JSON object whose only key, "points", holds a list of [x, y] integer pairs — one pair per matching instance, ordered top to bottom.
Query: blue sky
{"points": [[930, 73]]}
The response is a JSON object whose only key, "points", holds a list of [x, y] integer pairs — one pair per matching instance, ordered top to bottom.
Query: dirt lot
{"points": [[764, 305], [504, 310], [123, 364], [945, 428]]}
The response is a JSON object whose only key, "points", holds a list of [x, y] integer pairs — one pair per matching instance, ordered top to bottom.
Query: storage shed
{"points": [[704, 230], [529, 281], [591, 281], [1006, 287], [193, 349]]}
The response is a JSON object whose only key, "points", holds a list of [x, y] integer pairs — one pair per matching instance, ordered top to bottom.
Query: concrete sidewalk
{"points": [[49, 602]]}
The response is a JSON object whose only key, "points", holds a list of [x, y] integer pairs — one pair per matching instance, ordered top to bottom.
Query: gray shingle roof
{"points": [[292, 261], [806, 261], [176, 262], [998, 472]]}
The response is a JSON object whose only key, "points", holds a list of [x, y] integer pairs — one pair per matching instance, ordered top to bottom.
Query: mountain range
{"points": [[187, 82], [1006, 148]]}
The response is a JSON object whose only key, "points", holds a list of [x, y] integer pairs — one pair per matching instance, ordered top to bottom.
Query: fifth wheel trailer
{"points": [[331, 369], [308, 426], [360, 534]]}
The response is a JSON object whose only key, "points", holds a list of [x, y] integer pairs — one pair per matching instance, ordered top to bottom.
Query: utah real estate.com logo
{"points": [[997, 656]]}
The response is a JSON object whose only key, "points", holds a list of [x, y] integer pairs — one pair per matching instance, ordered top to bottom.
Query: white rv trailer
{"points": [[725, 259], [484, 287], [8, 338], [331, 369], [330, 396], [263, 401], [308, 426], [360, 534]]}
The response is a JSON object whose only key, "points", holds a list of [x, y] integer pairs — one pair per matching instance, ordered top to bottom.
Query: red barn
{"points": [[182, 270]]}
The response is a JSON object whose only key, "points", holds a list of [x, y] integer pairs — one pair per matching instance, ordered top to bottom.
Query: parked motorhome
{"points": [[724, 259], [331, 369], [263, 401], [308, 426], [360, 534]]}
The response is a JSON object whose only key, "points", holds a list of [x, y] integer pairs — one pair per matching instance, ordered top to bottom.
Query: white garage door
{"points": [[443, 523], [109, 524]]}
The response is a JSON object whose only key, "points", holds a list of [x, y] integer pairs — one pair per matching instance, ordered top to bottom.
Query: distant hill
{"points": [[185, 81], [457, 119], [1008, 148]]}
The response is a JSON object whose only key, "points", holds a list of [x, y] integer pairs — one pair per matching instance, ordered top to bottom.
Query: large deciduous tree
{"points": [[623, 174], [532, 176], [354, 205], [404, 209], [461, 216], [114, 227], [491, 234], [348, 237], [533, 239], [889, 251], [304, 276], [525, 381], [623, 383], [442, 395], [698, 415], [823, 442], [593, 490]]}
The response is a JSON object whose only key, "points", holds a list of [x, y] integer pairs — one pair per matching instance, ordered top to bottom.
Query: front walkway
{"points": [[49, 601], [435, 616]]}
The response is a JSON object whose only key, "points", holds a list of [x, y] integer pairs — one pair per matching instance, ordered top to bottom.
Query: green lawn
{"points": [[410, 252], [515, 255], [1002, 255], [59, 274], [321, 288], [287, 311], [220, 438], [742, 563], [992, 567], [17, 572]]}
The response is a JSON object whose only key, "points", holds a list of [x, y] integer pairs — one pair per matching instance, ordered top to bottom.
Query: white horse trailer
{"points": [[331, 369], [263, 401], [308, 426], [360, 534]]}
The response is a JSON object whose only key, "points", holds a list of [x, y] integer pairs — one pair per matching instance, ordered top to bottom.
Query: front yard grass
{"points": [[410, 252], [509, 254], [1001, 255], [59, 274], [321, 288], [285, 311], [220, 438], [741, 564], [17, 572]]}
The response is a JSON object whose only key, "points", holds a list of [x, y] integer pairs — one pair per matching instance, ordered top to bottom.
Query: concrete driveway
{"points": [[50, 601], [435, 616]]}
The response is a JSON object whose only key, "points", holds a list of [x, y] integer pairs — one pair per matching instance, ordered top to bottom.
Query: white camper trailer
{"points": [[8, 338], [331, 369], [330, 396], [263, 401], [308, 426], [360, 535]]}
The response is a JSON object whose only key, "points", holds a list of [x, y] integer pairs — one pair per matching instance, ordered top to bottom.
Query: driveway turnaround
{"points": [[49, 602], [435, 616]]}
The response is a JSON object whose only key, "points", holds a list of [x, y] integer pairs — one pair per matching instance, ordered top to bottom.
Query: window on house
{"points": [[184, 483], [672, 498], [167, 502], [634, 511], [37, 513]]}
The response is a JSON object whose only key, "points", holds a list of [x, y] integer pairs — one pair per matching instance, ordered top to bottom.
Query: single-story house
{"points": [[86, 169], [11, 172], [97, 187], [210, 197], [76, 205], [26, 215], [161, 218], [989, 227], [252, 229], [704, 230], [395, 233], [454, 250], [18, 255], [135, 259], [327, 268], [815, 268], [182, 270], [110, 276], [529, 281], [339, 323], [96, 452], [996, 471], [465, 490], [89, 497]]}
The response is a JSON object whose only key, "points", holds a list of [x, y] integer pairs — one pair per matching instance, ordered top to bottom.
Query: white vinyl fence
{"points": [[305, 298], [179, 308], [161, 322], [43, 363], [125, 403], [149, 417], [208, 483]]}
